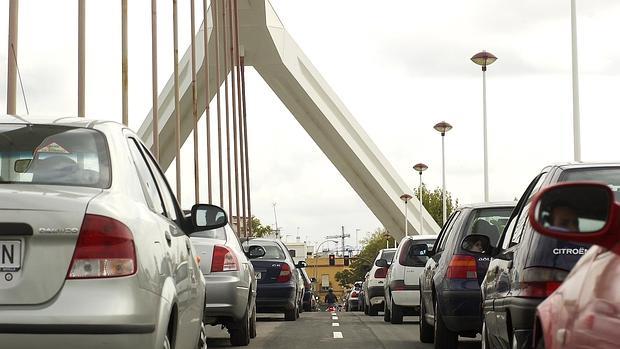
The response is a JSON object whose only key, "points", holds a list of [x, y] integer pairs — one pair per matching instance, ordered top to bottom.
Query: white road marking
{"points": [[333, 314], [334, 318], [335, 324], [337, 334]]}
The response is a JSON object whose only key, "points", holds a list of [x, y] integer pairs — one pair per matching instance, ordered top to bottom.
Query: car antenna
{"points": [[20, 79]]}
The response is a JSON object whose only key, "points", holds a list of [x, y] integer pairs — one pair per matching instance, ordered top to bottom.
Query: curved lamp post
{"points": [[483, 59], [443, 127], [420, 167], [406, 198], [315, 255]]}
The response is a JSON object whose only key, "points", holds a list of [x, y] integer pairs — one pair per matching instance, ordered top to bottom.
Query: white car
{"points": [[100, 254], [402, 284], [373, 285]]}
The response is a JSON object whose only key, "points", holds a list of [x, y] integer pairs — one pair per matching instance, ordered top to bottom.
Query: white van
{"points": [[402, 283]]}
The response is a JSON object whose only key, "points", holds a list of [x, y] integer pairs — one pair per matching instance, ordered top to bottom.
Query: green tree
{"points": [[433, 202], [258, 230], [345, 278]]}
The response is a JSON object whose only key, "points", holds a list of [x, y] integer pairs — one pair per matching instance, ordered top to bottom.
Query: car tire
{"points": [[300, 306], [364, 307], [373, 311], [386, 312], [396, 314], [291, 315], [253, 324], [240, 333], [427, 333], [202, 338], [444, 338], [484, 342], [166, 344]]}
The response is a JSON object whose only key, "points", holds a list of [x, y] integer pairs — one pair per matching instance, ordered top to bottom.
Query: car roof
{"points": [[48, 120], [577, 165], [479, 205], [421, 237]]}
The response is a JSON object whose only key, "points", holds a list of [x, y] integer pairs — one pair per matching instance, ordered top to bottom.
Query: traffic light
{"points": [[332, 259], [346, 261]]}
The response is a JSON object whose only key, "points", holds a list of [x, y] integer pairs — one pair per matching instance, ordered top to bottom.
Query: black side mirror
{"points": [[21, 165], [207, 217], [477, 243], [255, 251], [382, 263], [301, 264], [312, 279]]}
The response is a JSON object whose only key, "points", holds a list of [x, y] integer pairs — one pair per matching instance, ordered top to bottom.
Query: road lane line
{"points": [[334, 314], [334, 318], [335, 324], [337, 335]]}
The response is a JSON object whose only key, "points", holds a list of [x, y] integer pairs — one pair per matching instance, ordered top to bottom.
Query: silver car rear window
{"points": [[53, 154], [218, 234], [272, 249]]}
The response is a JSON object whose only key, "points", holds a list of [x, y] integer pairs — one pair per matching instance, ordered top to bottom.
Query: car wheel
{"points": [[300, 306], [364, 307], [372, 310], [297, 312], [386, 312], [396, 314], [291, 315], [253, 324], [240, 334], [427, 334], [444, 338], [515, 344]]}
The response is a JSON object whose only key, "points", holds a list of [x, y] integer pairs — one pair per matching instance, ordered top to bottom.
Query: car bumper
{"points": [[226, 296], [275, 297], [408, 298], [461, 310], [522, 316], [128, 319]]}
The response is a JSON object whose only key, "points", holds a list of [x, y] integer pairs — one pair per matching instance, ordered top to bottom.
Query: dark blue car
{"points": [[278, 283], [450, 297]]}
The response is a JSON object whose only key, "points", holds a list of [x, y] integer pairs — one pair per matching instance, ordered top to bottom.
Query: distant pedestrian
{"points": [[330, 298]]}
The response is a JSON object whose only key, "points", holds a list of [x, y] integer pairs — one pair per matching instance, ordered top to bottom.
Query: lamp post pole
{"points": [[483, 59], [576, 121], [443, 127], [420, 167], [406, 198]]}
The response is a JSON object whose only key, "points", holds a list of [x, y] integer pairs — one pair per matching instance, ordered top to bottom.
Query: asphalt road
{"points": [[316, 330]]}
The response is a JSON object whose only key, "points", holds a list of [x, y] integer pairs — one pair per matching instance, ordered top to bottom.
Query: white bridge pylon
{"points": [[271, 50]]}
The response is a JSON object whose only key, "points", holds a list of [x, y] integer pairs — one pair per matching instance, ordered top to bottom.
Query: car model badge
{"points": [[58, 230]]}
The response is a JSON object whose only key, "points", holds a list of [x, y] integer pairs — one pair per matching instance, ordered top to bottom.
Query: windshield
{"points": [[50, 154], [607, 175], [489, 222], [272, 249], [388, 255]]}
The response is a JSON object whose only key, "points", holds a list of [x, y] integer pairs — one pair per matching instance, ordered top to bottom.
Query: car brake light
{"points": [[104, 249], [223, 260], [462, 267], [285, 273], [381, 273], [540, 282], [353, 294]]}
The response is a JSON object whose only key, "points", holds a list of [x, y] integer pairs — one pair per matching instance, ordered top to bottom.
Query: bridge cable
{"points": [[225, 44], [233, 90], [207, 99], [218, 100], [194, 102], [177, 105], [155, 122], [240, 127], [247, 156]]}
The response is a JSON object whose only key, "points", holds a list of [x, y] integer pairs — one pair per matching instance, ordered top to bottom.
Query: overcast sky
{"points": [[399, 66]]}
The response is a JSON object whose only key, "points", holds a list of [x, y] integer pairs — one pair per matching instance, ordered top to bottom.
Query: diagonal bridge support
{"points": [[270, 49]]}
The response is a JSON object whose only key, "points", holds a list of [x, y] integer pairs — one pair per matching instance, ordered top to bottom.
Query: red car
{"points": [[584, 312]]}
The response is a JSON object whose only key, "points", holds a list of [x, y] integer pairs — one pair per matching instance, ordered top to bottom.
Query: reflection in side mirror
{"points": [[21, 165], [577, 209], [207, 217], [476, 243], [256, 251], [382, 263], [301, 264]]}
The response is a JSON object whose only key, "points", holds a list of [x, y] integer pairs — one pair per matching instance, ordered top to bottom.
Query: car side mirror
{"points": [[21, 165], [577, 211], [207, 217], [477, 243], [255, 251], [382, 263], [301, 264], [312, 279]]}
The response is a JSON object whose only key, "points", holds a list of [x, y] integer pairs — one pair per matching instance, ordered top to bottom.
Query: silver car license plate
{"points": [[10, 255]]}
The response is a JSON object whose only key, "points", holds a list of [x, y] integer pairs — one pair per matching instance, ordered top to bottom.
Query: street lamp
{"points": [[483, 59], [443, 127], [420, 167], [406, 198], [316, 257]]}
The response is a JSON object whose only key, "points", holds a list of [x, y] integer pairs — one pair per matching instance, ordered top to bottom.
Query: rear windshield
{"points": [[51, 154], [489, 222], [218, 234], [272, 249], [563, 254], [388, 255], [407, 256]]}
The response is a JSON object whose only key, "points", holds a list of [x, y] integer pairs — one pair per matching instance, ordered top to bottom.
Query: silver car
{"points": [[95, 249], [231, 300]]}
